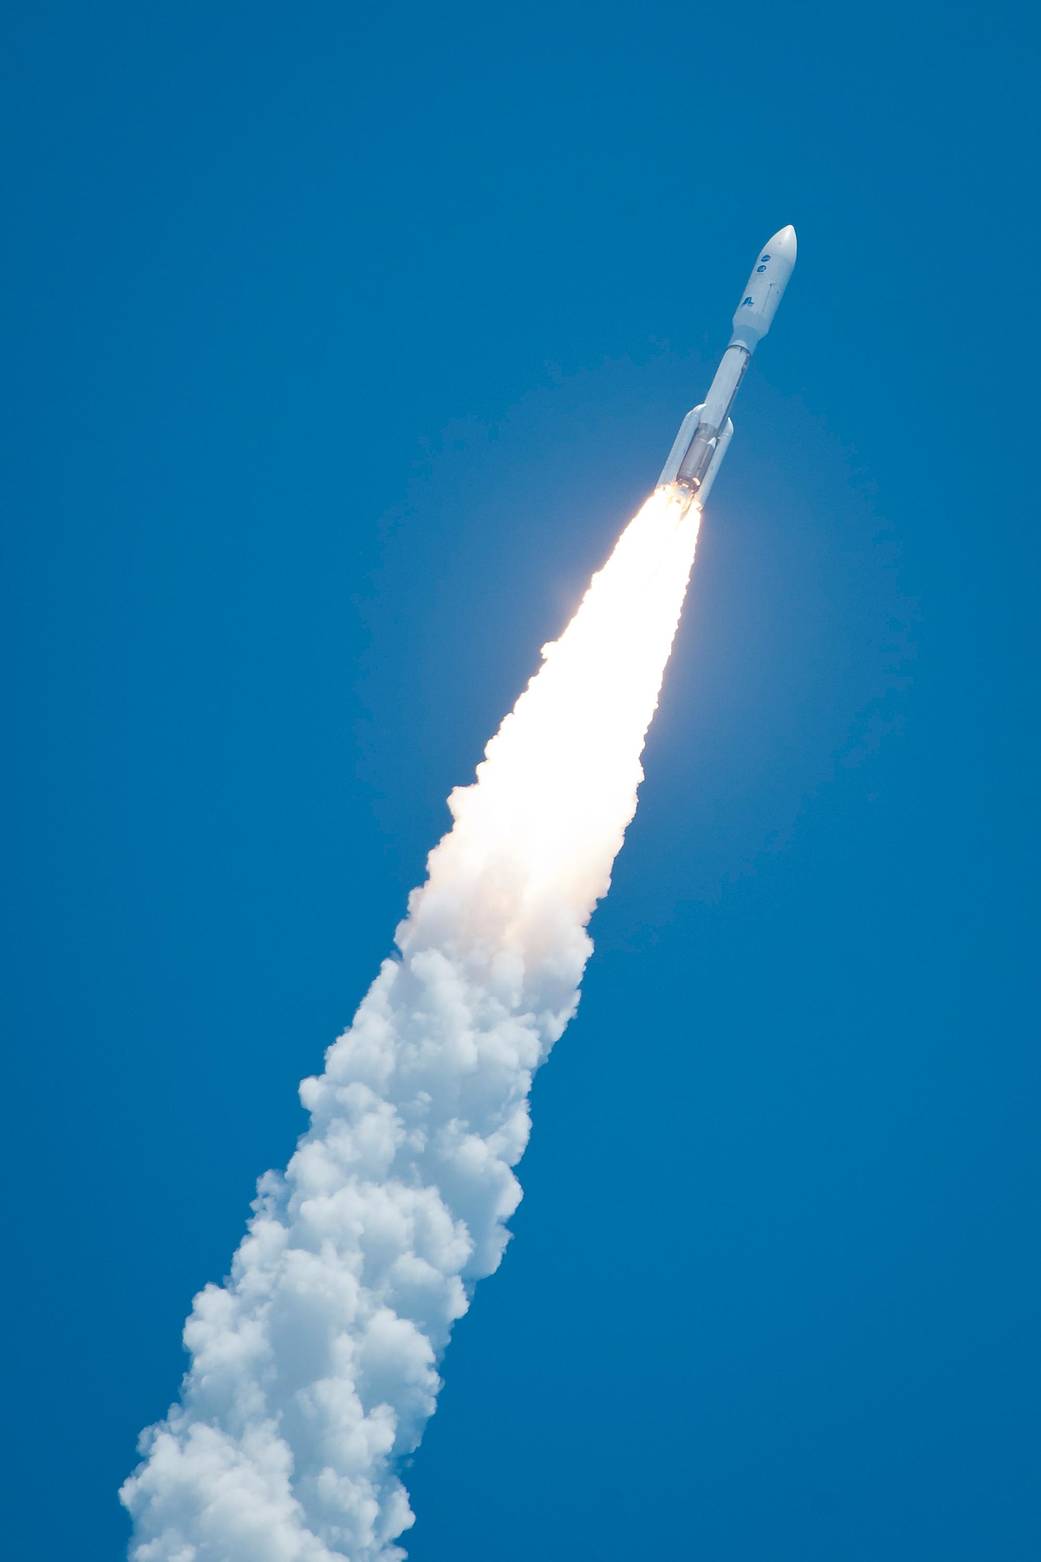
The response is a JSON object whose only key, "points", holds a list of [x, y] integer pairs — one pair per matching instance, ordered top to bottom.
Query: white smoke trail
{"points": [[314, 1366]]}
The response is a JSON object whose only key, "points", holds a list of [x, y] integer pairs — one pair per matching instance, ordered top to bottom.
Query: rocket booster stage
{"points": [[705, 432]]}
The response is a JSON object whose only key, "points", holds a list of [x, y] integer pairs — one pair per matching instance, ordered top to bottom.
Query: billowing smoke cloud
{"points": [[314, 1367]]}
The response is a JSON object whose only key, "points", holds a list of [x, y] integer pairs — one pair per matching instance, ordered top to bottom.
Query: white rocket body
{"points": [[705, 432]]}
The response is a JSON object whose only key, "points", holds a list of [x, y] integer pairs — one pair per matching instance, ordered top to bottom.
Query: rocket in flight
{"points": [[705, 432]]}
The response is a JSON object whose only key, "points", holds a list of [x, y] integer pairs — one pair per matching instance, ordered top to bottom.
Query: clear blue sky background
{"points": [[341, 339]]}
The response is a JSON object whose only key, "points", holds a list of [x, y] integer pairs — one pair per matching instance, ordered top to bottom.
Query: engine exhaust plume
{"points": [[314, 1365]]}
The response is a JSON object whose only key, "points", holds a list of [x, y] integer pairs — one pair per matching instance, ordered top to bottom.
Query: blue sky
{"points": [[341, 342]]}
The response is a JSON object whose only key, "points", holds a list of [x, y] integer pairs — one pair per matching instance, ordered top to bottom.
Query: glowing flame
{"points": [[547, 812]]}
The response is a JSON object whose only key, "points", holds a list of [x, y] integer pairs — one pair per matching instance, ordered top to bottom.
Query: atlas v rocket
{"points": [[705, 432]]}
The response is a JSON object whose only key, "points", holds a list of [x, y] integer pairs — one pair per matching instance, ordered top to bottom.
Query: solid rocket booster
{"points": [[705, 432]]}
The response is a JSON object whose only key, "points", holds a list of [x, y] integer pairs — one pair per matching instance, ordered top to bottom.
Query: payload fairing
{"points": [[705, 432]]}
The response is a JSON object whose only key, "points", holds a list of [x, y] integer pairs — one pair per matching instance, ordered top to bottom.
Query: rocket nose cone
{"points": [[784, 243]]}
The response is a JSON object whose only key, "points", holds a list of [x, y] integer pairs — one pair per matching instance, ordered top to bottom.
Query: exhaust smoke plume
{"points": [[314, 1365]]}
